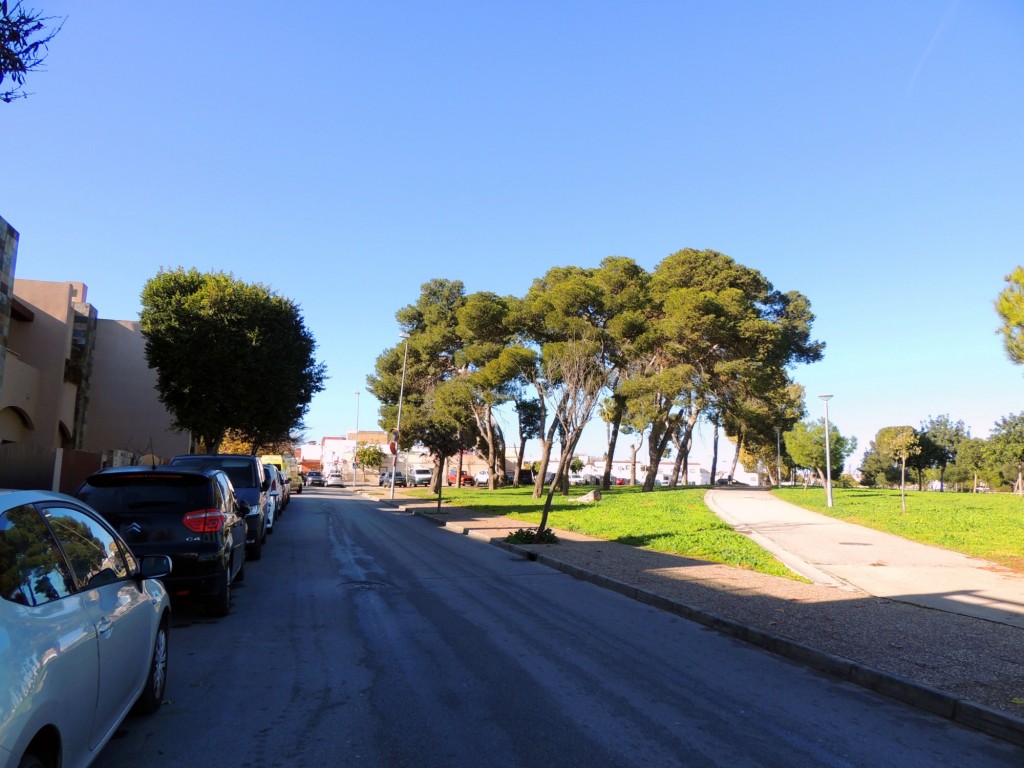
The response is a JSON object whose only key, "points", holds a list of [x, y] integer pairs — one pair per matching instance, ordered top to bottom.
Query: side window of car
{"points": [[95, 555], [32, 569]]}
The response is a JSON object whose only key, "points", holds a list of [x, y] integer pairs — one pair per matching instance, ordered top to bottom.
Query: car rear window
{"points": [[238, 468], [141, 494]]}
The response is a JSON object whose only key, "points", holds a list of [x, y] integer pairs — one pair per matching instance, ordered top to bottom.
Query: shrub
{"points": [[532, 536]]}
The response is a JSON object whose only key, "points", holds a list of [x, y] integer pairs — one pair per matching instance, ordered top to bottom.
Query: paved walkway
{"points": [[835, 553]]}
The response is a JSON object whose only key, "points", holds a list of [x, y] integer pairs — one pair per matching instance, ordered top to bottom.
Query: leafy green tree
{"points": [[24, 39], [1010, 307], [720, 333], [228, 356], [436, 409], [942, 438], [806, 444], [899, 444], [1006, 444], [972, 456], [369, 457], [877, 469]]}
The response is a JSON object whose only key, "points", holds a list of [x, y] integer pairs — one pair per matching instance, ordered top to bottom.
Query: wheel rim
{"points": [[160, 663]]}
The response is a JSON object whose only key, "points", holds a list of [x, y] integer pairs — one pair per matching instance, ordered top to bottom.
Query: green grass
{"points": [[666, 520], [986, 525]]}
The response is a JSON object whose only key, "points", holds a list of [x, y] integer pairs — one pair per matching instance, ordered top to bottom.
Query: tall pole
{"points": [[398, 425], [828, 455], [355, 457]]}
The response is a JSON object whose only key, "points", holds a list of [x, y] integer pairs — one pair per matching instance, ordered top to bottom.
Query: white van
{"points": [[420, 476]]}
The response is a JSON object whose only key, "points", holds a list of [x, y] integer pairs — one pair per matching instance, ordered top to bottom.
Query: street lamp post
{"points": [[398, 424], [828, 455], [355, 457]]}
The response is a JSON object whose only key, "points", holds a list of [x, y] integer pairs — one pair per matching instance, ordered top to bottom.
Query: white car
{"points": [[482, 477], [334, 479], [85, 628]]}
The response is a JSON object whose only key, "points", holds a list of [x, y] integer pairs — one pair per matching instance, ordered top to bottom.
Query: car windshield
{"points": [[238, 468], [146, 494]]}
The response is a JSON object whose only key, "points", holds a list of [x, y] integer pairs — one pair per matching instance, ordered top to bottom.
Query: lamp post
{"points": [[398, 425], [828, 455], [355, 457]]}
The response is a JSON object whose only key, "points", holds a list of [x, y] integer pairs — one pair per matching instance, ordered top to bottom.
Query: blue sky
{"points": [[868, 154]]}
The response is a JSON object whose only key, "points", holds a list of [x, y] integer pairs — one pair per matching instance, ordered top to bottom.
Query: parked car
{"points": [[420, 476], [525, 476], [313, 477], [482, 477], [334, 479], [385, 479], [465, 479], [295, 482], [250, 484], [286, 488], [273, 496], [190, 515], [74, 668]]}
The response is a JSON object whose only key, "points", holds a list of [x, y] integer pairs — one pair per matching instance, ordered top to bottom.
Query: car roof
{"points": [[160, 469], [15, 497]]}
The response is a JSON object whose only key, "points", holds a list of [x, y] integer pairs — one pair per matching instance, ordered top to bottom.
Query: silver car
{"points": [[84, 631]]}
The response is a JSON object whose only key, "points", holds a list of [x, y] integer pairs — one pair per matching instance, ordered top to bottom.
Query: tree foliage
{"points": [[25, 37], [1010, 307], [228, 356], [806, 444], [899, 444], [1006, 444]]}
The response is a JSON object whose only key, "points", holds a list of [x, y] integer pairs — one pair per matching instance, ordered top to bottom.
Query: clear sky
{"points": [[868, 154]]}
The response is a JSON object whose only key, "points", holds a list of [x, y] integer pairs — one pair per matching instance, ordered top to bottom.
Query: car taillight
{"points": [[204, 520]]}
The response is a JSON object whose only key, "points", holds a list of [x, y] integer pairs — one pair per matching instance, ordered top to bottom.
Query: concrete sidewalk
{"points": [[835, 553]]}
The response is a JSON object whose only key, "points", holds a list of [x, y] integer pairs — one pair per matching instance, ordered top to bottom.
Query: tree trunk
{"points": [[613, 438], [714, 452], [736, 457], [680, 458], [903, 477]]}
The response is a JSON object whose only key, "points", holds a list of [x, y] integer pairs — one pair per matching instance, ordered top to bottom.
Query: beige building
{"points": [[71, 380], [124, 409]]}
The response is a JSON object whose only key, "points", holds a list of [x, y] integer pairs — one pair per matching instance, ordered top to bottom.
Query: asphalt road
{"points": [[371, 637]]}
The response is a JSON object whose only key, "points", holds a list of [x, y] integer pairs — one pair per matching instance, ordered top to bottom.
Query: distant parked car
{"points": [[420, 476], [313, 477], [482, 477], [466, 478], [334, 479], [385, 479], [250, 484], [274, 496], [190, 515], [84, 626]]}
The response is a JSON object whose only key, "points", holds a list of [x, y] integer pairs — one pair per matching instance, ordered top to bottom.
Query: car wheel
{"points": [[255, 551], [220, 603], [153, 694]]}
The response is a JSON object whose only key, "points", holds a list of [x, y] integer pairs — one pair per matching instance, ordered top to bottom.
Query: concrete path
{"points": [[848, 556]]}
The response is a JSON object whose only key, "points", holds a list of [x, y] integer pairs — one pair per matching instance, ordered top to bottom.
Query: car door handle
{"points": [[104, 626]]}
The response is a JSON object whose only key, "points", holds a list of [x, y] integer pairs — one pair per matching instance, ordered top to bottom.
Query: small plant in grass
{"points": [[532, 536]]}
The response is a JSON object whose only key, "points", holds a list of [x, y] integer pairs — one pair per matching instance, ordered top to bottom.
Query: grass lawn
{"points": [[665, 520], [986, 525]]}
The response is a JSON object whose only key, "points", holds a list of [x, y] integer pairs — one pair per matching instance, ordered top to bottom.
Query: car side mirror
{"points": [[243, 506], [154, 567]]}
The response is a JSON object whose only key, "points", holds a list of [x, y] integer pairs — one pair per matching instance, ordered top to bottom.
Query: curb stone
{"points": [[990, 721]]}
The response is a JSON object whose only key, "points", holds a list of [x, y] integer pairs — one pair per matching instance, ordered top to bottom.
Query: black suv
{"points": [[190, 515]]}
